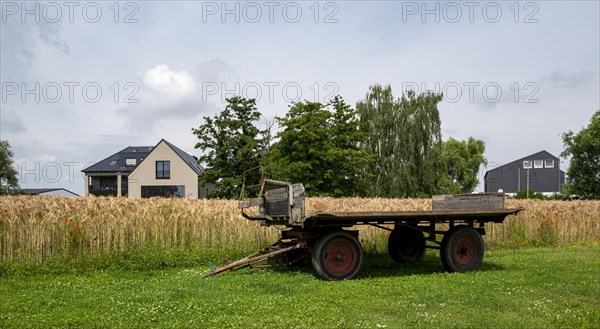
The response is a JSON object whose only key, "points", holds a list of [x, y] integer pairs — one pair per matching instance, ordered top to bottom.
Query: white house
{"points": [[145, 171], [165, 171]]}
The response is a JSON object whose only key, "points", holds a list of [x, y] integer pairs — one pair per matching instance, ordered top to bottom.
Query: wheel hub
{"points": [[464, 251], [339, 258]]}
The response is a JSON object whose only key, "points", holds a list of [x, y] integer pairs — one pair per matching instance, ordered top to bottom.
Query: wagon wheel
{"points": [[406, 245], [462, 249], [337, 256]]}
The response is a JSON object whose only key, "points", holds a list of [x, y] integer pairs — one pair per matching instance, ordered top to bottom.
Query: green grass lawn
{"points": [[530, 288]]}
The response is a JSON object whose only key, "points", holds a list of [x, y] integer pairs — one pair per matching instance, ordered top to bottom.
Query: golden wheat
{"points": [[36, 228]]}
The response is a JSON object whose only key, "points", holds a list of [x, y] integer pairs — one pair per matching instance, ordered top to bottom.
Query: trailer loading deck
{"points": [[324, 240]]}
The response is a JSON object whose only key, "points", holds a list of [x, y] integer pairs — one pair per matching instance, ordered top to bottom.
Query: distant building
{"points": [[146, 171], [539, 171], [45, 192]]}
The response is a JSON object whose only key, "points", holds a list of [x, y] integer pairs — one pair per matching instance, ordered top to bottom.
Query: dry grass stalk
{"points": [[35, 228]]}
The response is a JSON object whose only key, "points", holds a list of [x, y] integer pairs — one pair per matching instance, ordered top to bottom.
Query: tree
{"points": [[405, 138], [234, 145], [319, 146], [584, 148], [462, 160], [8, 174]]}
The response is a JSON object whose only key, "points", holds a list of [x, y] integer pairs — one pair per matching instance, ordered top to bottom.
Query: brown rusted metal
{"points": [[282, 203], [337, 219], [256, 257]]}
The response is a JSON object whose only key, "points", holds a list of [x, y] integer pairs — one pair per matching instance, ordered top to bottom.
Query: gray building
{"points": [[539, 171], [45, 192]]}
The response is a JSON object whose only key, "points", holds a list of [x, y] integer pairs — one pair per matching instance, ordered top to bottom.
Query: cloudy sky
{"points": [[83, 80]]}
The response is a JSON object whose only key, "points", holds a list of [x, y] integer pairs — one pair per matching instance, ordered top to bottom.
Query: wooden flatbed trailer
{"points": [[324, 240]]}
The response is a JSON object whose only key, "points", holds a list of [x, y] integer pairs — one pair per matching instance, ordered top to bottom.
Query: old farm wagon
{"points": [[325, 239]]}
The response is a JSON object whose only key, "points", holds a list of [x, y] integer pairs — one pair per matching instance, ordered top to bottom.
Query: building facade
{"points": [[145, 171], [166, 171], [539, 171]]}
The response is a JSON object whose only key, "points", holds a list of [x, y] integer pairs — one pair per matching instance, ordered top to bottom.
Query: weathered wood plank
{"points": [[468, 201]]}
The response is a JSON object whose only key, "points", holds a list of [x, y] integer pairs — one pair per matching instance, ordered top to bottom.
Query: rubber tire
{"points": [[406, 245], [462, 249], [322, 260]]}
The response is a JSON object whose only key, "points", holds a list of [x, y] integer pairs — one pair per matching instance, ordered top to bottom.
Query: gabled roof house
{"points": [[145, 171], [539, 171]]}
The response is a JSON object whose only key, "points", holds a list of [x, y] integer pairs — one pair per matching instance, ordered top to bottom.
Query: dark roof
{"points": [[139, 153], [541, 155], [117, 161], [192, 161], [37, 191]]}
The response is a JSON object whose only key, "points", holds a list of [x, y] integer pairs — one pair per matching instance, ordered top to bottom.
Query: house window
{"points": [[114, 162], [130, 162], [549, 163], [526, 164], [538, 164], [163, 169], [163, 191]]}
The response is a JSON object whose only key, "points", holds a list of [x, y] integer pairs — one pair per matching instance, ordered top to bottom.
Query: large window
{"points": [[549, 163], [527, 164], [538, 164], [163, 169], [163, 191]]}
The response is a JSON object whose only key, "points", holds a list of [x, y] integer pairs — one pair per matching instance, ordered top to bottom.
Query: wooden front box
{"points": [[479, 201]]}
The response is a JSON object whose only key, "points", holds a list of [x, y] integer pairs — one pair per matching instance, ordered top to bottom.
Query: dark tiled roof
{"points": [[187, 158], [118, 161]]}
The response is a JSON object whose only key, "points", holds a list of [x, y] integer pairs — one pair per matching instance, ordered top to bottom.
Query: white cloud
{"points": [[171, 52], [168, 85], [164, 93]]}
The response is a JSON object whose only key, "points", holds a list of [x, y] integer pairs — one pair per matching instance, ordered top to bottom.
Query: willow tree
{"points": [[404, 135]]}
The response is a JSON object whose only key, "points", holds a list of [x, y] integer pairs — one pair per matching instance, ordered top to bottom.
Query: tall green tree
{"points": [[404, 135], [231, 144], [319, 146], [584, 150], [462, 160], [8, 173]]}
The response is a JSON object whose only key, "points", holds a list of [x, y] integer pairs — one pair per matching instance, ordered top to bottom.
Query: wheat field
{"points": [[34, 229]]}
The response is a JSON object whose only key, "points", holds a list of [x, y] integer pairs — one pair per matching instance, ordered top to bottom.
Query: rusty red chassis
{"points": [[325, 240]]}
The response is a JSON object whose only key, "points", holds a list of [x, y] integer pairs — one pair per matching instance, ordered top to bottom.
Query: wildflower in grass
{"points": [[72, 206], [5, 209], [95, 238]]}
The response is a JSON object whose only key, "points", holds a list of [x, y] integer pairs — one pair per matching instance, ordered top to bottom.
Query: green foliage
{"points": [[405, 137], [234, 145], [319, 147], [584, 150], [462, 159], [8, 174], [530, 194]]}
